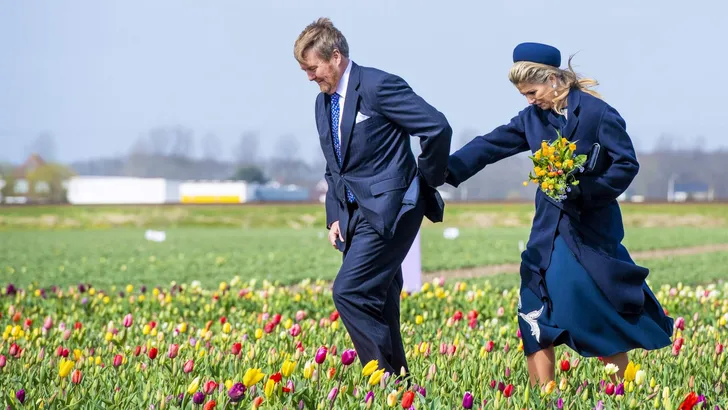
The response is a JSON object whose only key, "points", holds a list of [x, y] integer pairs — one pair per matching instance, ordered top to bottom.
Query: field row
{"points": [[298, 216], [122, 256]]}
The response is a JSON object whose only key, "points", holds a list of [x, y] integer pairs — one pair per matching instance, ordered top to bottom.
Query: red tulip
{"points": [[473, 314], [458, 315], [333, 316], [277, 318], [223, 320], [77, 326], [269, 327], [489, 346], [237, 347], [718, 348], [137, 350], [153, 353], [118, 359], [565, 365], [76, 377], [276, 377], [210, 387], [609, 389], [508, 391], [407, 398], [210, 405]]}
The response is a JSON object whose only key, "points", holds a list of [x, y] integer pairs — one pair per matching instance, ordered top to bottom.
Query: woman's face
{"points": [[541, 95]]}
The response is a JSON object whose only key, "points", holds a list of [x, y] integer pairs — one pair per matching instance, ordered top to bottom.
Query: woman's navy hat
{"points": [[537, 53]]}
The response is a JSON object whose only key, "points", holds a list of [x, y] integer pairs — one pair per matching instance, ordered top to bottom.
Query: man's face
{"points": [[326, 73]]}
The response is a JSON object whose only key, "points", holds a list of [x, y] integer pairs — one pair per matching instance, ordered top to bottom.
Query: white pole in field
{"points": [[412, 267]]}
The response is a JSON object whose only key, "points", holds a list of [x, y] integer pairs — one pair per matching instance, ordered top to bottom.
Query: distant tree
{"points": [[182, 142], [44, 145], [288, 147], [211, 148], [246, 151], [250, 173], [46, 182]]}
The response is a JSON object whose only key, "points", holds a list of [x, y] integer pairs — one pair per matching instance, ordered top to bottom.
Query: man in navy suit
{"points": [[378, 193]]}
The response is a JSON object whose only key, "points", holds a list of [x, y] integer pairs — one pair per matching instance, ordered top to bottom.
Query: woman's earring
{"points": [[554, 86]]}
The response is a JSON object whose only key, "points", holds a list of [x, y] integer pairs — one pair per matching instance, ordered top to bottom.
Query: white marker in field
{"points": [[412, 267]]}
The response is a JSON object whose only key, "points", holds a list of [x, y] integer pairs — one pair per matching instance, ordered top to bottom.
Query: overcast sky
{"points": [[98, 74]]}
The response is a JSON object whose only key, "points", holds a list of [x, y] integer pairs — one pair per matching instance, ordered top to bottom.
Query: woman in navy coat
{"points": [[579, 286]]}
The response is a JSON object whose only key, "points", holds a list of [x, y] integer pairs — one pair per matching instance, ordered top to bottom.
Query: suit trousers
{"points": [[367, 288]]}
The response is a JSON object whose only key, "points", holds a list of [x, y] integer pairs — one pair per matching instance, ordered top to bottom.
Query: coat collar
{"points": [[572, 117]]}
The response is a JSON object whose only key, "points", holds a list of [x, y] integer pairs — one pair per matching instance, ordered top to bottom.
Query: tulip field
{"points": [[81, 332]]}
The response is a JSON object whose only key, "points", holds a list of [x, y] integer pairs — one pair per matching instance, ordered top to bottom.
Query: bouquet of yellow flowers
{"points": [[554, 165]]}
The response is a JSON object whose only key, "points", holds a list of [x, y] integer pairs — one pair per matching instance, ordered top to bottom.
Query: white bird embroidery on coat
{"points": [[532, 320]]}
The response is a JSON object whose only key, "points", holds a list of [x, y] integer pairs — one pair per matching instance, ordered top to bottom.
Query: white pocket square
{"points": [[361, 117]]}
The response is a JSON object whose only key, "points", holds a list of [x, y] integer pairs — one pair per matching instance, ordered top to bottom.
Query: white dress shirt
{"points": [[341, 90]]}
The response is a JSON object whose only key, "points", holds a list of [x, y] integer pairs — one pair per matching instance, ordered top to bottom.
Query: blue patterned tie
{"points": [[335, 134]]}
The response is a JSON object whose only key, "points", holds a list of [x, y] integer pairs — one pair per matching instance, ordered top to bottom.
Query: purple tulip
{"points": [[10, 291], [321, 354], [348, 356], [501, 386], [422, 391], [619, 391], [236, 392], [333, 393], [20, 395], [369, 397], [198, 398], [468, 400], [560, 403], [300, 405], [600, 405]]}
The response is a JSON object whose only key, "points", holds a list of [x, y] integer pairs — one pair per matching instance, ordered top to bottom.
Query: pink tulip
{"points": [[300, 315], [128, 320], [48, 323], [680, 323], [295, 330], [718, 348], [173, 350], [321, 354], [348, 356], [3, 361], [189, 366]]}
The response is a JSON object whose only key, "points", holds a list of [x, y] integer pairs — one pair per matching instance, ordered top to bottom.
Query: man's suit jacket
{"points": [[378, 165]]}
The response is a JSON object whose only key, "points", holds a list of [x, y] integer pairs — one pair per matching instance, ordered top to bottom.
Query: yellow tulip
{"points": [[572, 147], [419, 319], [226, 328], [258, 333], [65, 367], [370, 367], [288, 368], [308, 370], [630, 371], [252, 376], [376, 377], [269, 386], [192, 388], [392, 399]]}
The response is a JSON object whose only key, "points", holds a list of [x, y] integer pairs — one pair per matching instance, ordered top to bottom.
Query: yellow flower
{"points": [[564, 141], [572, 147], [537, 155], [558, 164], [537, 169], [525, 183], [544, 185], [129, 288], [419, 319], [226, 328], [258, 333], [65, 367], [370, 367], [287, 368], [308, 370], [630, 371], [252, 376], [376, 377], [639, 377], [269, 386], [550, 387], [192, 388], [392, 399]]}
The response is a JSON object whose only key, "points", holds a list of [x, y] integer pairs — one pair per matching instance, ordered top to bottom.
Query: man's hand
{"points": [[335, 232]]}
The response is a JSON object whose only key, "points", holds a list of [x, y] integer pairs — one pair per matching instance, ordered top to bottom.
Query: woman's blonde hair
{"points": [[523, 72]]}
